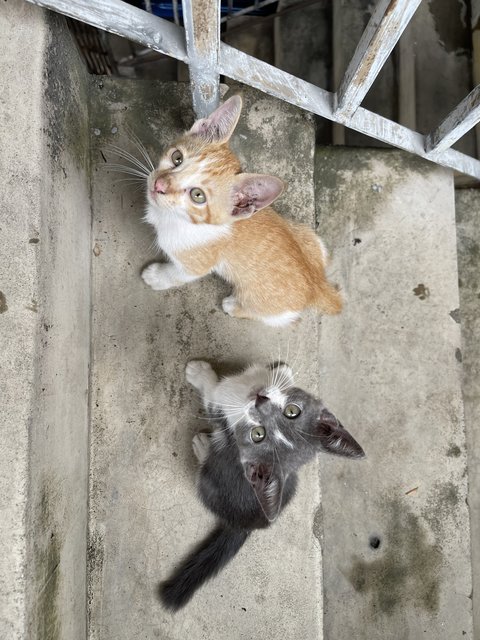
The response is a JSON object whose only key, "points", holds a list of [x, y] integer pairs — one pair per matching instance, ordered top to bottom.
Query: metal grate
{"points": [[199, 45]]}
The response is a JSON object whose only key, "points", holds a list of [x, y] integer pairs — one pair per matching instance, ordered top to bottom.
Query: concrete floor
{"points": [[389, 220], [393, 364], [144, 511], [378, 549]]}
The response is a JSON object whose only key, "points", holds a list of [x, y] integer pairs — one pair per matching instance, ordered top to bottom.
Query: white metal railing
{"points": [[200, 47]]}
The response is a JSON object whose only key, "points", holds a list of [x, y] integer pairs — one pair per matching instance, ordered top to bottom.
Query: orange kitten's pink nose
{"points": [[160, 186]]}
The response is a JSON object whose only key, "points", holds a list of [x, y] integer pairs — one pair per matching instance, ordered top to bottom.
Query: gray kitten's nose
{"points": [[260, 400]]}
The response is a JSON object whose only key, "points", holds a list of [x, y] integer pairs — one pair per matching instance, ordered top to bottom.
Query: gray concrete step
{"points": [[144, 512], [395, 531], [377, 549]]}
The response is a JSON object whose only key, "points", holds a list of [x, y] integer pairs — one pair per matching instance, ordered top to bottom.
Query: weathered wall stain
{"points": [[451, 24], [421, 291], [3, 303], [455, 315], [454, 451], [317, 525], [407, 571], [46, 622]]}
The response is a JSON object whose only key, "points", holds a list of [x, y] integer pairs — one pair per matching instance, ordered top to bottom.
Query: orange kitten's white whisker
{"points": [[140, 146], [126, 155], [122, 168]]}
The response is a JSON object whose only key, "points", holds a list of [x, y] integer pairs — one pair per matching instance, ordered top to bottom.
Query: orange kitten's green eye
{"points": [[177, 157], [197, 195]]}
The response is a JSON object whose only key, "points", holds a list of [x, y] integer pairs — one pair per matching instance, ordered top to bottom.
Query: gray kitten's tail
{"points": [[204, 563]]}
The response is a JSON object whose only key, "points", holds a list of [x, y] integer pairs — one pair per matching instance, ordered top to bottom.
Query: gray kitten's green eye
{"points": [[177, 158], [197, 195], [292, 411], [257, 434]]}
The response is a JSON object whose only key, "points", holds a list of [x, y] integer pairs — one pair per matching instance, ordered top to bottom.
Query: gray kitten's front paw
{"points": [[201, 375], [201, 446]]}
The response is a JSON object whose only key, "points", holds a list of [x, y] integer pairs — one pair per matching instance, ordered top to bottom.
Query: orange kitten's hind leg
{"points": [[231, 306], [281, 319]]}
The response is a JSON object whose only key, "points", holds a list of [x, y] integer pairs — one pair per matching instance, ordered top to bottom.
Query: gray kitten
{"points": [[264, 430]]}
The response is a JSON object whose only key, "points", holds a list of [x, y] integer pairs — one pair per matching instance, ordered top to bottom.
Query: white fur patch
{"points": [[176, 232], [165, 276], [229, 304], [281, 320], [234, 394], [277, 397], [279, 437]]}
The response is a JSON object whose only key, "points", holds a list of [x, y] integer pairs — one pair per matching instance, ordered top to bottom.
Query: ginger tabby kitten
{"points": [[211, 217]]}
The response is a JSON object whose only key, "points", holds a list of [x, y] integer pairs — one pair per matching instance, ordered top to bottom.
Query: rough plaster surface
{"points": [[468, 238], [18, 275], [44, 328], [144, 511], [395, 530]]}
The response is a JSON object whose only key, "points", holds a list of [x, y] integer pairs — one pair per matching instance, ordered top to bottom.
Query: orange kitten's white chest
{"points": [[176, 233]]}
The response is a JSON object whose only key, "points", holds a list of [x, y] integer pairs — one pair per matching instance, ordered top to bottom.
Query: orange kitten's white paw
{"points": [[156, 276], [229, 305], [201, 375], [201, 446]]}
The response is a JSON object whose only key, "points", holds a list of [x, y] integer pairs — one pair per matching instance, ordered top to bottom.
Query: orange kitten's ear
{"points": [[219, 126], [252, 192]]}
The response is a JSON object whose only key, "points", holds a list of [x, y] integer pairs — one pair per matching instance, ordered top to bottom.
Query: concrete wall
{"points": [[44, 327]]}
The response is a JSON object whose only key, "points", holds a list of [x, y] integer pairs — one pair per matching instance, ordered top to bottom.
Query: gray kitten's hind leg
{"points": [[201, 375]]}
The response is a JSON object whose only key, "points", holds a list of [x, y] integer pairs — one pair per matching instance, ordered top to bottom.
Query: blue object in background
{"points": [[165, 9]]}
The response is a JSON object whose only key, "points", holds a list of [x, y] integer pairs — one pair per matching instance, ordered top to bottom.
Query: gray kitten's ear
{"points": [[219, 125], [254, 191], [334, 438], [267, 485]]}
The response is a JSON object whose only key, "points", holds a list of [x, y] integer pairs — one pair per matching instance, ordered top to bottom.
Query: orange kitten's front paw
{"points": [[156, 276]]}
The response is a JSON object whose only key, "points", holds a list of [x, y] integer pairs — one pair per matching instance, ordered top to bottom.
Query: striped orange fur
{"points": [[211, 217]]}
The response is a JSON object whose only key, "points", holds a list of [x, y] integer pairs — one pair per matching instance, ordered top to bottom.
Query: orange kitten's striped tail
{"points": [[329, 299]]}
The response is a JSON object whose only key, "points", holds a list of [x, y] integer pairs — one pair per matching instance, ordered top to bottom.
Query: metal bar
{"points": [[176, 16], [120, 18], [389, 19], [124, 20], [202, 30], [338, 67], [256, 73], [463, 118]]}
